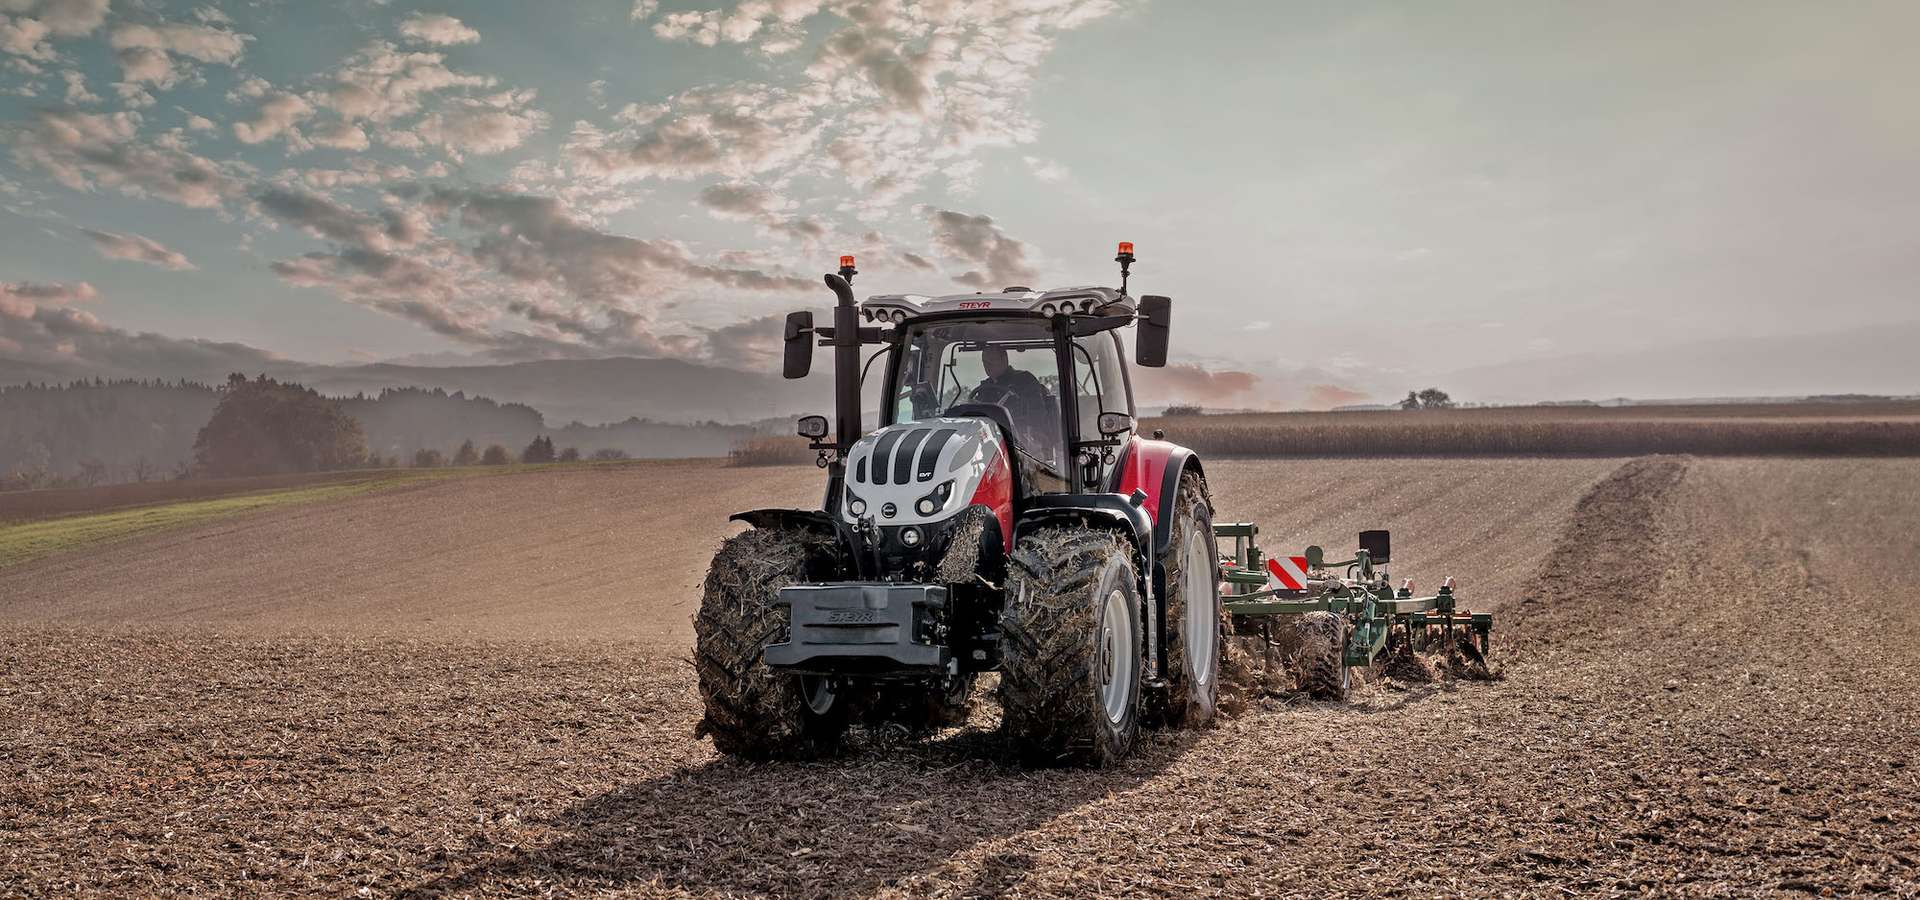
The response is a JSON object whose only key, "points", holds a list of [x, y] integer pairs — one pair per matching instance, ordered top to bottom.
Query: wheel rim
{"points": [[1202, 625], [1117, 650], [818, 693]]}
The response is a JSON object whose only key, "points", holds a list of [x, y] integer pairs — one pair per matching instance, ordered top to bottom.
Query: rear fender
{"points": [[1156, 467]]}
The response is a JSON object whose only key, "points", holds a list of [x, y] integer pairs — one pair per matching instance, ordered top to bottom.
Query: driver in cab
{"points": [[1016, 389]]}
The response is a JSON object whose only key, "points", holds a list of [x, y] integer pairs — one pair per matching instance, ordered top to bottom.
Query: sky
{"points": [[1346, 200]]}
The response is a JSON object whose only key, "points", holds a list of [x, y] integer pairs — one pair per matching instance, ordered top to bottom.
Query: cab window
{"points": [[1098, 382]]}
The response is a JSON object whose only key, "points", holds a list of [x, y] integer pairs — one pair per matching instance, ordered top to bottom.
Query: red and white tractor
{"points": [[1006, 516]]}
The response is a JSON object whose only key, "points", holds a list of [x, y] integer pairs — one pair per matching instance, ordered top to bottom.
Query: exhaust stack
{"points": [[846, 359]]}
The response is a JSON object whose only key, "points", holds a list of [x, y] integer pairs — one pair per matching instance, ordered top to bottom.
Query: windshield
{"points": [[975, 368]]}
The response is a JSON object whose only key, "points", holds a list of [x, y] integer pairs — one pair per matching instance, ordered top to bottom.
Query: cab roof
{"points": [[1071, 300]]}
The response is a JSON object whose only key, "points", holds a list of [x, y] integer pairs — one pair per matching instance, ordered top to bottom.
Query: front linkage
{"points": [[1256, 591]]}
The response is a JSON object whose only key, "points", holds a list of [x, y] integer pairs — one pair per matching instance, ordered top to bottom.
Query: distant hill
{"points": [[592, 391]]}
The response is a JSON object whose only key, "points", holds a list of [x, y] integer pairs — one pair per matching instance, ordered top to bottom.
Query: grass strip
{"points": [[24, 542]]}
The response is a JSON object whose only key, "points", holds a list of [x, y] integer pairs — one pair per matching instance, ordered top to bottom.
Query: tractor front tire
{"points": [[1194, 637], [1071, 665], [752, 711]]}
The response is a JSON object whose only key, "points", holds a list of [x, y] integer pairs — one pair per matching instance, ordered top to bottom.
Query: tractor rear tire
{"points": [[1194, 631], [1072, 664], [1324, 673], [752, 711]]}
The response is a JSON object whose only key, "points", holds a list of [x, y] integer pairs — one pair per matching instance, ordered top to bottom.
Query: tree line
{"points": [[93, 432]]}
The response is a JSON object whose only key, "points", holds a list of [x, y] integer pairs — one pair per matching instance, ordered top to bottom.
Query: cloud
{"points": [[438, 28], [701, 28], [27, 33], [26, 37], [153, 54], [381, 83], [898, 92], [77, 93], [276, 117], [483, 126], [730, 131], [339, 136], [84, 151], [1046, 169], [360, 172], [739, 199], [323, 218], [534, 239], [976, 240], [136, 248], [518, 275], [413, 289], [17, 297], [39, 327], [754, 345], [1195, 383], [1307, 388], [1328, 396]]}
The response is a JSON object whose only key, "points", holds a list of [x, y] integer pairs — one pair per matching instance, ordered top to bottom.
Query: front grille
{"points": [[904, 457]]}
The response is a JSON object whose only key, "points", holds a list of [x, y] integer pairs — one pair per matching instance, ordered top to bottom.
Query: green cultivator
{"points": [[1356, 616]]}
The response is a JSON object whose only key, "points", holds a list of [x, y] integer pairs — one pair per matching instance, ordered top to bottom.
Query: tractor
{"points": [[1005, 516]]}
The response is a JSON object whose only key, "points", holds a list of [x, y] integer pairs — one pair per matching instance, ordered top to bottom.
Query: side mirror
{"points": [[799, 345], [1150, 345], [1115, 423], [812, 427], [1379, 546]]}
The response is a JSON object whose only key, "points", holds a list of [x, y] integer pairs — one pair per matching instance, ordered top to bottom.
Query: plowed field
{"points": [[1711, 685]]}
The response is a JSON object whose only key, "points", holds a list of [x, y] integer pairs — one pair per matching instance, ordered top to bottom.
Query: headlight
{"points": [[934, 502], [856, 505], [910, 536]]}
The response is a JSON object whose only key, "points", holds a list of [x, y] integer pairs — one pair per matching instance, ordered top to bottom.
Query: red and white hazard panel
{"points": [[1287, 572]]}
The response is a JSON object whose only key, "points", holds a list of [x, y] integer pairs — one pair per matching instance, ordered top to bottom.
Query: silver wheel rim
{"points": [[1202, 627], [1117, 648], [818, 693]]}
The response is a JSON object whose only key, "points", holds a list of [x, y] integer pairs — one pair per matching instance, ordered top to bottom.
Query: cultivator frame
{"points": [[1364, 597]]}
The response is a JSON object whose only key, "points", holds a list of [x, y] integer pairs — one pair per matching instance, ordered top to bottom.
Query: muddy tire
{"points": [[1194, 629], [1071, 663], [1324, 674], [751, 711]]}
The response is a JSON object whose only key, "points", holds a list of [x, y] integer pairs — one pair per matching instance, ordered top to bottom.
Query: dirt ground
{"points": [[1710, 687]]}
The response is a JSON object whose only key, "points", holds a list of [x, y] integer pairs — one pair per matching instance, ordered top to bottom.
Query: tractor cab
{"points": [[1047, 368], [1045, 388]]}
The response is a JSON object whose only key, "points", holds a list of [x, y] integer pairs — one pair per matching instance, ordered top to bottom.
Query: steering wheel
{"points": [[988, 392]]}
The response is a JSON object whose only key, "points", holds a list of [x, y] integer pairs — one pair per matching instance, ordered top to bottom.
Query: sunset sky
{"points": [[1345, 199]]}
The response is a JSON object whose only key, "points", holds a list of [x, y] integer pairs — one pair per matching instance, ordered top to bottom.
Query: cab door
{"points": [[1100, 386]]}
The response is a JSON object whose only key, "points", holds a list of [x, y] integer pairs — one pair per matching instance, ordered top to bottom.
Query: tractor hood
{"points": [[920, 472]]}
